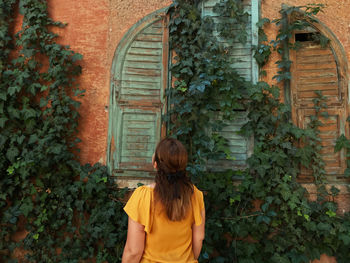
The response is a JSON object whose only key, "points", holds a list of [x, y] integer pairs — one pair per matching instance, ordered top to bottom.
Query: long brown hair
{"points": [[173, 187]]}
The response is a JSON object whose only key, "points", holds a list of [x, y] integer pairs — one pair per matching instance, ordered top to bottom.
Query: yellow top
{"points": [[166, 241]]}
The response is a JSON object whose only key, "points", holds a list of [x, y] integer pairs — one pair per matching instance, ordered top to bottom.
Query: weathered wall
{"points": [[335, 16], [94, 29]]}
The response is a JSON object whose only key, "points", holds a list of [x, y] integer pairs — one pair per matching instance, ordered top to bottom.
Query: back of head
{"points": [[173, 187]]}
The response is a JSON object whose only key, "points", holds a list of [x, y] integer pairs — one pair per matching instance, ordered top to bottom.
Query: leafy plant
{"points": [[73, 212], [265, 216]]}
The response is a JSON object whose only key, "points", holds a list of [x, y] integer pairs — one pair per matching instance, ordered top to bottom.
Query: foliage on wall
{"points": [[73, 213], [266, 216]]}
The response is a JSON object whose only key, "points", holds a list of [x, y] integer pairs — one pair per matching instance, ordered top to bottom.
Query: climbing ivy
{"points": [[205, 84], [70, 212], [73, 212], [267, 215]]}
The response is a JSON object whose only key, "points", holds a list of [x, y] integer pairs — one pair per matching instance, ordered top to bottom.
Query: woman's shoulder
{"points": [[143, 190], [196, 191], [141, 193], [197, 196], [141, 197], [197, 205], [138, 208]]}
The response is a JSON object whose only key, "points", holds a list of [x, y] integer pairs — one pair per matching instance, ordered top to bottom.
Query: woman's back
{"points": [[166, 223], [166, 240]]}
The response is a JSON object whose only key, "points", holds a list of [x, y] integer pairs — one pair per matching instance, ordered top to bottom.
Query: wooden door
{"points": [[315, 68], [138, 85]]}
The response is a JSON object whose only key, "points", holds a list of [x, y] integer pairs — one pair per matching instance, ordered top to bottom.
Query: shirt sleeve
{"points": [[197, 206], [138, 208]]}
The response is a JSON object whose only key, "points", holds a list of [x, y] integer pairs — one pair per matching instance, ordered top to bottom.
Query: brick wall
{"points": [[96, 27]]}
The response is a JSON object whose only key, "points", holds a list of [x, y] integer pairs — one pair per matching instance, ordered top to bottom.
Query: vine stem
{"points": [[115, 199], [241, 217]]}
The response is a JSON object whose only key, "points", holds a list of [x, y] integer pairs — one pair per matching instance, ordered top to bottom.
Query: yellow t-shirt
{"points": [[166, 241]]}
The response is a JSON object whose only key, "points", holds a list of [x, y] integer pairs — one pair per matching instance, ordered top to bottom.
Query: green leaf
{"points": [[22, 8], [262, 22], [77, 57], [43, 88], [13, 89], [3, 95], [43, 102], [13, 112], [29, 113], [325, 114], [3, 121], [33, 138], [20, 139], [341, 142], [12, 153], [10, 170], [347, 172], [39, 182], [334, 190], [286, 194], [26, 207], [264, 207], [331, 213], [323, 226], [345, 238], [277, 258]]}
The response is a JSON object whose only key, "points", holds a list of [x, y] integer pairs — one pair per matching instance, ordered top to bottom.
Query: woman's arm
{"points": [[198, 233], [135, 242]]}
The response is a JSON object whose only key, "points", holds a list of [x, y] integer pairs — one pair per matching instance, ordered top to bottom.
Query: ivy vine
{"points": [[73, 212], [267, 216]]}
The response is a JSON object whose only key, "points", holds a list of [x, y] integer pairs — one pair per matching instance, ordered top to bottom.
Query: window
{"points": [[244, 63], [321, 68], [139, 78]]}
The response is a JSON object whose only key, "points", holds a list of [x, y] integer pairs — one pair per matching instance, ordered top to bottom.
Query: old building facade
{"points": [[123, 100]]}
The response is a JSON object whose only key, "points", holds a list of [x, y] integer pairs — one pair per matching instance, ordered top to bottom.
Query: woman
{"points": [[166, 219]]}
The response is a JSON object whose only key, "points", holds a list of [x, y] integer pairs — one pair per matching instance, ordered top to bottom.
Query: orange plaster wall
{"points": [[96, 27], [94, 30], [87, 33]]}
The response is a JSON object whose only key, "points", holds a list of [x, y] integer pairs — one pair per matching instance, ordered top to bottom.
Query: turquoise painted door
{"points": [[245, 65], [139, 79]]}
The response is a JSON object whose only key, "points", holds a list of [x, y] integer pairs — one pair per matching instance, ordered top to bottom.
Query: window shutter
{"points": [[242, 56], [245, 65], [316, 68], [139, 79], [240, 147]]}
